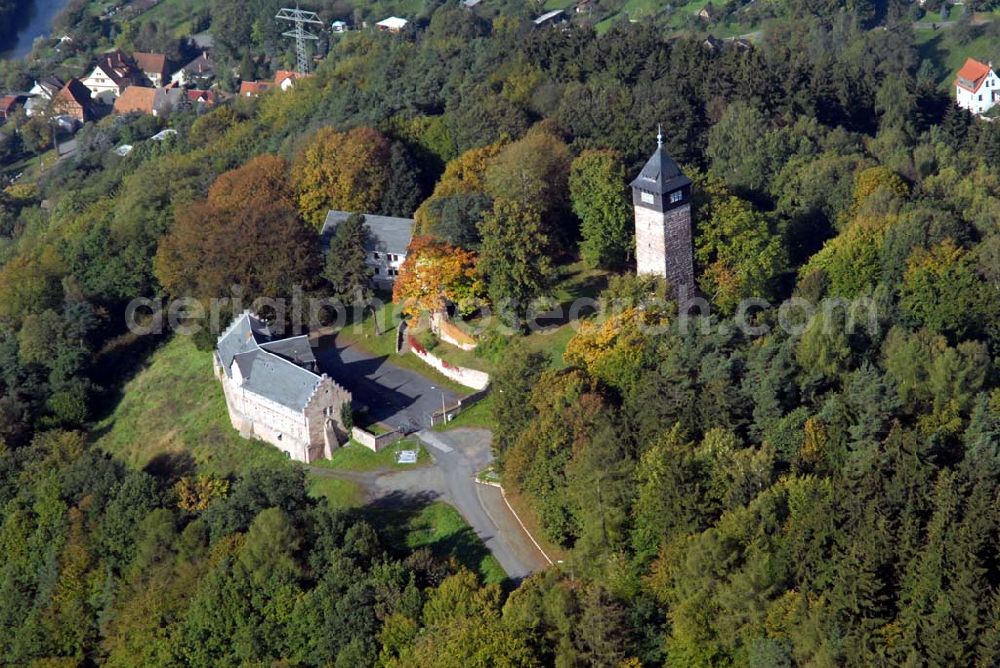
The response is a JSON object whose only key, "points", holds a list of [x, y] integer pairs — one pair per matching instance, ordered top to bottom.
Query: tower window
{"points": [[647, 197], [676, 197]]}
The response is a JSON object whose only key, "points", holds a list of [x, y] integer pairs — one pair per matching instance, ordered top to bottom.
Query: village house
{"points": [[392, 24], [339, 27], [153, 65], [198, 72], [112, 74], [285, 79], [977, 87], [254, 88], [41, 94], [135, 99], [74, 101], [161, 101], [10, 104], [385, 248], [274, 393]]}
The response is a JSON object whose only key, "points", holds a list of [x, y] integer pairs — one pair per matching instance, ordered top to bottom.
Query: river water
{"points": [[42, 14]]}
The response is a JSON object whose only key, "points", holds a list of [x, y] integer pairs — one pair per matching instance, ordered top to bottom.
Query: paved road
{"points": [[396, 396], [458, 455]]}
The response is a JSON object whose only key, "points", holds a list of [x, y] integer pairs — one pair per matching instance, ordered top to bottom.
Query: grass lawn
{"points": [[174, 15], [947, 55], [575, 282], [174, 408], [478, 415], [356, 457], [339, 493], [441, 529]]}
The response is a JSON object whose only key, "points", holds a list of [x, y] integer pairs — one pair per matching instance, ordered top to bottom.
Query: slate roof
{"points": [[661, 174], [388, 234], [296, 349], [268, 367], [277, 379]]}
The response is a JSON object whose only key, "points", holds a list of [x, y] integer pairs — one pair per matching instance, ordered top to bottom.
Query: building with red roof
{"points": [[977, 87]]}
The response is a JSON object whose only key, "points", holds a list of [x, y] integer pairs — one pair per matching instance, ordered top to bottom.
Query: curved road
{"points": [[458, 455]]}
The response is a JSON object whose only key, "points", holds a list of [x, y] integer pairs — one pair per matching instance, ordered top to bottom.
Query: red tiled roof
{"points": [[151, 63], [281, 75], [972, 75], [254, 88], [74, 92], [206, 96], [135, 98], [7, 103]]}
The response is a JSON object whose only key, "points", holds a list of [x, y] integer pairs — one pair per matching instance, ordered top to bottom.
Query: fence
{"points": [[449, 413]]}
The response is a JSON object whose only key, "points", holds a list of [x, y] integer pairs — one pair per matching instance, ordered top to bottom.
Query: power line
{"points": [[299, 19]]}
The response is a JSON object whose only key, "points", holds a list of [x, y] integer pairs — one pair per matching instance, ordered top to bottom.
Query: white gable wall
{"points": [[982, 100]]}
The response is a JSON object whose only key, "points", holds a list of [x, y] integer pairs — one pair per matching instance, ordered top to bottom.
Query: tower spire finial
{"points": [[659, 135]]}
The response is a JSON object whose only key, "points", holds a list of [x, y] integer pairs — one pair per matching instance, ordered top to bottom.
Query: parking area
{"points": [[398, 397]]}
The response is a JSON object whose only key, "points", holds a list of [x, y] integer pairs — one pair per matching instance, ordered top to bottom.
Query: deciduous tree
{"points": [[347, 171], [597, 189]]}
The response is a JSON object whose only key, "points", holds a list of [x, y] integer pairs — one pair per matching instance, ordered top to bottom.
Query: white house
{"points": [[340, 26], [199, 71], [112, 74], [977, 87], [41, 95], [386, 246]]}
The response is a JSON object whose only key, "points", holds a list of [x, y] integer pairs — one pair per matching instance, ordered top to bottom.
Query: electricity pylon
{"points": [[299, 18]]}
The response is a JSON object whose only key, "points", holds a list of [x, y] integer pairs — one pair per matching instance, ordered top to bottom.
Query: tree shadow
{"points": [[121, 361], [169, 467], [396, 516]]}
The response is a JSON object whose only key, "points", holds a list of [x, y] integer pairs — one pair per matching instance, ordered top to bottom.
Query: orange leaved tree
{"points": [[436, 273]]}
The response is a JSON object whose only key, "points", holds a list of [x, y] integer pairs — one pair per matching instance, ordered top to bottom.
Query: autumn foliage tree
{"points": [[348, 171], [247, 234], [436, 273]]}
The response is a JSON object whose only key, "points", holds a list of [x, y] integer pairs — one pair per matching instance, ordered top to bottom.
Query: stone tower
{"points": [[661, 195]]}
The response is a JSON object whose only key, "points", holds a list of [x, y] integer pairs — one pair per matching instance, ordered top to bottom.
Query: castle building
{"points": [[661, 195], [274, 393]]}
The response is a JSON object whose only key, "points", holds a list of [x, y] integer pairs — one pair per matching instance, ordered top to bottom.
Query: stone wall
{"points": [[663, 245], [680, 251], [451, 333], [473, 378], [304, 436], [375, 442]]}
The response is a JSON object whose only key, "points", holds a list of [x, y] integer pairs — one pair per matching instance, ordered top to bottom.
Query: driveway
{"points": [[399, 397], [458, 455]]}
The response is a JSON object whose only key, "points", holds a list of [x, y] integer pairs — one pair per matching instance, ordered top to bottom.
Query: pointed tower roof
{"points": [[661, 174]]}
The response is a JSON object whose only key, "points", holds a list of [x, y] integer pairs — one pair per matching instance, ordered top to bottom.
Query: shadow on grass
{"points": [[121, 360], [409, 521]]}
